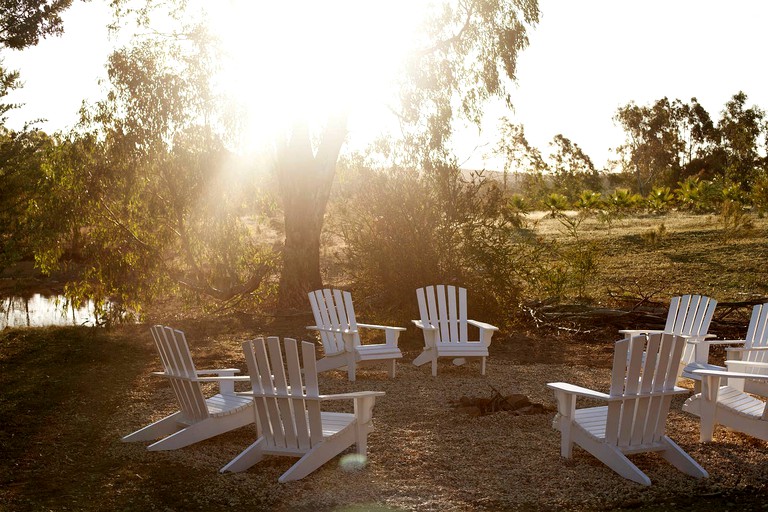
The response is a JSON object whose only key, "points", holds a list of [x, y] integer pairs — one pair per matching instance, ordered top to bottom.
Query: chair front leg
{"points": [[486, 335], [391, 336], [351, 353], [351, 366], [227, 387], [710, 388], [566, 409], [364, 421]]}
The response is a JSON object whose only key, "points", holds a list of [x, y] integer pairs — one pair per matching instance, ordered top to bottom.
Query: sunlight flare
{"points": [[305, 60]]}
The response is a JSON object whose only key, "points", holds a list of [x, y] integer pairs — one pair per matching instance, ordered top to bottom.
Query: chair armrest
{"points": [[420, 325], [483, 325], [381, 327], [330, 329], [486, 331], [641, 331], [391, 334], [699, 339], [732, 342], [744, 349], [739, 362], [736, 364], [225, 370], [732, 375], [167, 376], [221, 378], [225, 378], [226, 382], [572, 389], [353, 395], [363, 403]]}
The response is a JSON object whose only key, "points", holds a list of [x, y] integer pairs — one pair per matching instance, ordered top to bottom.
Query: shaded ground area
{"points": [[69, 394]]}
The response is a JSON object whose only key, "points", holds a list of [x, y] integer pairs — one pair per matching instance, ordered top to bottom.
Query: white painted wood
{"points": [[689, 316], [336, 322], [444, 324], [753, 349], [641, 389], [285, 391], [728, 406], [198, 418]]}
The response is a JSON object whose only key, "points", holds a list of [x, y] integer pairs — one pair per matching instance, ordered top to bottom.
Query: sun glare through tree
{"points": [[307, 60]]}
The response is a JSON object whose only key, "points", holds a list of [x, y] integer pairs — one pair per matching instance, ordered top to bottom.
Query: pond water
{"points": [[40, 311]]}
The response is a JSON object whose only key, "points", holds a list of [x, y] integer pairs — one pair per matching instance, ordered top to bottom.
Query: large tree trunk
{"points": [[305, 185]]}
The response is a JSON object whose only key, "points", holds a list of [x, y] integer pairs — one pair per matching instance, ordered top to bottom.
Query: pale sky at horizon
{"points": [[585, 60]]}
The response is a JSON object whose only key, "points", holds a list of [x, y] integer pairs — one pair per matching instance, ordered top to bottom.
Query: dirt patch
{"points": [[515, 403]]}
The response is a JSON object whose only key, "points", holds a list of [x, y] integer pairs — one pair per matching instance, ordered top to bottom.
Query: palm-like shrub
{"points": [[689, 194], [702, 196], [660, 199], [622, 200], [589, 201], [555, 203], [518, 204], [516, 209]]}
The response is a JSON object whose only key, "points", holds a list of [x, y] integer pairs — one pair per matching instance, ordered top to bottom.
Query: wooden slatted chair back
{"points": [[444, 307], [333, 310], [690, 315], [757, 336], [180, 371], [644, 375], [287, 398]]}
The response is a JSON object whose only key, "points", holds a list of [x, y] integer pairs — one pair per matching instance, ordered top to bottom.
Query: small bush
{"points": [[735, 221], [403, 230], [655, 236]]}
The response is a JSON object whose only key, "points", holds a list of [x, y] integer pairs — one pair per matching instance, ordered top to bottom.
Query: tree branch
{"points": [[451, 40], [114, 220], [248, 286]]}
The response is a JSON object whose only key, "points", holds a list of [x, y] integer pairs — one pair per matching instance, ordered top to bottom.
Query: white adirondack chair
{"points": [[689, 316], [444, 324], [339, 332], [748, 358], [642, 387], [728, 406], [288, 410], [198, 418]]}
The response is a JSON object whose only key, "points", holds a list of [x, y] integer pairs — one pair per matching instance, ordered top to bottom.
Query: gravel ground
{"points": [[70, 394], [426, 455]]}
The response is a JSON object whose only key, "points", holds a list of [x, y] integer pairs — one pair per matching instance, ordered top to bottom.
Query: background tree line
{"points": [[674, 155], [146, 197]]}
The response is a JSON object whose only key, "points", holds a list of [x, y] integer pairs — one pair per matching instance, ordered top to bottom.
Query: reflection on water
{"points": [[39, 311]]}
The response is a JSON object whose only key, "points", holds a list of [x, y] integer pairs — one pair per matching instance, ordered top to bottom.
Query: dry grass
{"points": [[695, 254], [69, 394]]}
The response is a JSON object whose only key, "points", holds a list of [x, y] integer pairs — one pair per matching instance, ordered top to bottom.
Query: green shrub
{"points": [[660, 199], [589, 201], [555, 203], [402, 230]]}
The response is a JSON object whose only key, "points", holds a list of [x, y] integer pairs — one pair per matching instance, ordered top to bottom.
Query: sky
{"points": [[585, 60]]}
